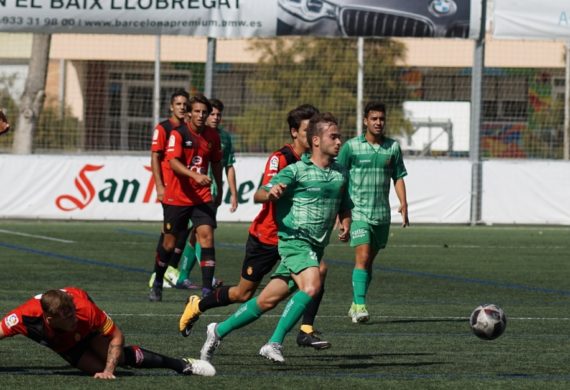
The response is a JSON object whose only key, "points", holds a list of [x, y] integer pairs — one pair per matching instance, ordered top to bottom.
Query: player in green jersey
{"points": [[373, 160], [309, 196]]}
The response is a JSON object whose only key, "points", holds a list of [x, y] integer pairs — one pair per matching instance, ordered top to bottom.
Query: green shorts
{"points": [[362, 233], [296, 256]]}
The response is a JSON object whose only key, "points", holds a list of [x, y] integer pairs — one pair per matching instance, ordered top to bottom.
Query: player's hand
{"points": [[202, 180], [276, 191], [160, 194], [233, 203], [403, 209], [343, 234], [104, 375]]}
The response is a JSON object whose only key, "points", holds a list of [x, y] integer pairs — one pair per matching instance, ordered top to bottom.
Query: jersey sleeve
{"points": [[158, 139], [174, 147], [217, 153], [229, 153], [343, 157], [272, 167], [399, 167], [99, 321], [13, 323]]}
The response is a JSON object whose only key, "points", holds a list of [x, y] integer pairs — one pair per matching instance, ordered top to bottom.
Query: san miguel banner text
{"points": [[246, 18], [532, 19]]}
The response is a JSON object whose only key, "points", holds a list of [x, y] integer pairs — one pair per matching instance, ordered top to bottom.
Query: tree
{"points": [[322, 72], [34, 95]]}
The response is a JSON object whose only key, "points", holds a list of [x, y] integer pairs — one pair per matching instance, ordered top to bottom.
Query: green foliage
{"points": [[322, 72], [55, 132]]}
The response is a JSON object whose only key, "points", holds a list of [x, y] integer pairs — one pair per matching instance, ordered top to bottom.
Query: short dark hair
{"points": [[179, 92], [200, 99], [217, 104], [374, 106], [299, 114], [317, 125], [56, 302]]}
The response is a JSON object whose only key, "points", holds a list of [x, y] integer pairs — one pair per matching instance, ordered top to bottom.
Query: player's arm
{"points": [[174, 152], [155, 158], [217, 173], [231, 175], [277, 187], [400, 187], [345, 219], [2, 335], [116, 344]]}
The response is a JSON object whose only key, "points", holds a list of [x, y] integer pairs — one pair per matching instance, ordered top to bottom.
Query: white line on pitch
{"points": [[36, 236]]}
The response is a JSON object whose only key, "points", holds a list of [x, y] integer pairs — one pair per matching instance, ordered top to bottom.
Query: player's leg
{"points": [[204, 220], [175, 223], [188, 260], [301, 260], [258, 261], [275, 291], [308, 336], [94, 358]]}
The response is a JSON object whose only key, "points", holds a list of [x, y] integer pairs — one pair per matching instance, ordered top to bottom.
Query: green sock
{"points": [[198, 250], [187, 262], [368, 280], [359, 286], [247, 313], [292, 313]]}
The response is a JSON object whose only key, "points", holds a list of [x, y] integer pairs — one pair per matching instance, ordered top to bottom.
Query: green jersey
{"points": [[228, 156], [371, 167], [313, 198]]}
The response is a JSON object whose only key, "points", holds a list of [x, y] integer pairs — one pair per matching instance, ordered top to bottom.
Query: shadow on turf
{"points": [[55, 370]]}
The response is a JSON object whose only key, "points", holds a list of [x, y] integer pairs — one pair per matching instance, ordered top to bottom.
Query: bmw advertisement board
{"points": [[247, 18]]}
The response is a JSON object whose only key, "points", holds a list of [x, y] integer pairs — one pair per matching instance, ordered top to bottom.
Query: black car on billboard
{"points": [[368, 18]]}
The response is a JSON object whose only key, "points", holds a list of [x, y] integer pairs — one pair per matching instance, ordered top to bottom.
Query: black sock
{"points": [[181, 240], [160, 265], [208, 265], [220, 297], [313, 308], [138, 357]]}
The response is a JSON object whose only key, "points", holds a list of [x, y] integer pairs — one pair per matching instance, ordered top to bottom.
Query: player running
{"points": [[372, 160], [309, 196], [261, 252], [72, 325]]}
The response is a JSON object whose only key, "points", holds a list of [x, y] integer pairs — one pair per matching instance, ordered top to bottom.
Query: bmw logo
{"points": [[442, 7]]}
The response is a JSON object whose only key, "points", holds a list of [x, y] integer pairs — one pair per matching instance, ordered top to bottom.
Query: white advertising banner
{"points": [[245, 18], [531, 19], [121, 188], [526, 192]]}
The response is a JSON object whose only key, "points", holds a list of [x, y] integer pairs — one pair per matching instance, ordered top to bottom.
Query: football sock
{"points": [[198, 249], [187, 263], [208, 264], [160, 265], [368, 280], [359, 283], [220, 297], [312, 308], [245, 314], [291, 314], [136, 356]]}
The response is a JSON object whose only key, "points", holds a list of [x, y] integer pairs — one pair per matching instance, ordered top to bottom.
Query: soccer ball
{"points": [[488, 321]]}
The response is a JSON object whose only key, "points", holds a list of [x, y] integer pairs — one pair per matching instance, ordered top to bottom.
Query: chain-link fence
{"points": [[102, 102]]}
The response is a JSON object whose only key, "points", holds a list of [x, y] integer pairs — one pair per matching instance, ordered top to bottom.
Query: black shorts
{"points": [[176, 218], [259, 259], [74, 354]]}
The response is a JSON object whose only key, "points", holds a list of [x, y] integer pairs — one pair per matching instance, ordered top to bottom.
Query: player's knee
{"points": [[312, 289], [243, 294]]}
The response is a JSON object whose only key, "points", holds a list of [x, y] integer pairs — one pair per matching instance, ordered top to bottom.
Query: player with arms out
{"points": [[373, 160], [309, 195], [261, 253], [72, 325]]}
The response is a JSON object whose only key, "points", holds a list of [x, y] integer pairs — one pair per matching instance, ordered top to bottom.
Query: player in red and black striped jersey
{"points": [[190, 151], [261, 253], [71, 324]]}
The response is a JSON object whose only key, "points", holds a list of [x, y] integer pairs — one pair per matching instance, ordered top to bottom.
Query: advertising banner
{"points": [[246, 18], [531, 19], [122, 189]]}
